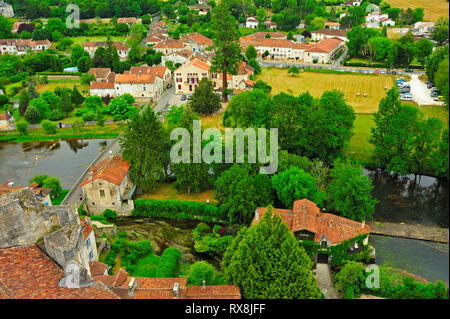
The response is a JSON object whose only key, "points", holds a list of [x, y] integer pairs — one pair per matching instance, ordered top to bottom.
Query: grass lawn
{"points": [[433, 9], [80, 40], [317, 83], [53, 84], [213, 121], [108, 131], [359, 148], [167, 191], [60, 198], [147, 266]]}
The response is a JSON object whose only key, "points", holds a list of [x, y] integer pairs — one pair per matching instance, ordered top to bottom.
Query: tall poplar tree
{"points": [[225, 44]]}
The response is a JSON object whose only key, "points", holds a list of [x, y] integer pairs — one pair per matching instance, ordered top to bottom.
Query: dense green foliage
{"points": [[204, 100], [178, 209], [210, 242], [266, 261]]}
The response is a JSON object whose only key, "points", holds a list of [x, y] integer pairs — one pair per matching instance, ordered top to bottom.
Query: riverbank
{"points": [[94, 132], [435, 234]]}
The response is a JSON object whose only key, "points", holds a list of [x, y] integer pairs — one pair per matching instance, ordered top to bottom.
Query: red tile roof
{"points": [[331, 32], [200, 39], [171, 43], [325, 45], [100, 72], [101, 85], [4, 116], [112, 169], [305, 215], [97, 268], [27, 273], [212, 292]]}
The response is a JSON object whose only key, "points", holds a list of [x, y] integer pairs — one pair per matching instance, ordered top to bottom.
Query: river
{"points": [[425, 201]]}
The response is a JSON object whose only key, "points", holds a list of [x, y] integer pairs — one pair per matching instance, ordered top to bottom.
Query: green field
{"points": [[80, 40]]}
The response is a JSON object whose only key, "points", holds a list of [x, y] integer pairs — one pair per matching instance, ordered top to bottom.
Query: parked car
{"points": [[394, 72], [401, 80], [430, 85], [169, 86], [404, 90], [435, 94], [183, 97], [189, 97], [406, 97], [439, 98]]}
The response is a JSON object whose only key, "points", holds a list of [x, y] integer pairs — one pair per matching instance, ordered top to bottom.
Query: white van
{"points": [[406, 97]]}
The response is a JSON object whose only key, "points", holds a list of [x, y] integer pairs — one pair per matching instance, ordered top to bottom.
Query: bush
{"points": [[81, 112], [56, 115], [88, 117], [119, 117], [77, 124], [48, 126], [22, 127], [179, 209], [110, 214], [170, 263], [200, 271], [351, 275], [349, 293]]}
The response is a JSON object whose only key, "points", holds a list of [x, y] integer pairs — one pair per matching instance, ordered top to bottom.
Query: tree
{"points": [[317, 23], [5, 27], [440, 31], [225, 44], [424, 49], [251, 53], [433, 62], [84, 64], [293, 70], [441, 80], [32, 91], [76, 97], [24, 100], [204, 100], [93, 102], [66, 105], [118, 105], [42, 107], [250, 109], [32, 115], [99, 117], [77, 124], [48, 126], [22, 127], [393, 134], [145, 146], [440, 157], [190, 176], [38, 179], [294, 184], [55, 186], [241, 190], [349, 191], [266, 261], [201, 271], [350, 276]]}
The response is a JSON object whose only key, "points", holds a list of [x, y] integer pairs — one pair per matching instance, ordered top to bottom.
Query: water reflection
{"points": [[410, 199]]}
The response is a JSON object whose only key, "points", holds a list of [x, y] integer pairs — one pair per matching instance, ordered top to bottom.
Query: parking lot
{"points": [[420, 92]]}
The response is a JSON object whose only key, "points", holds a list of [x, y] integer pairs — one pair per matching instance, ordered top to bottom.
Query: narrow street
{"points": [[325, 281]]}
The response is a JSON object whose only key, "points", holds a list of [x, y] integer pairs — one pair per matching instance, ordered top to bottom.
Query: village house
{"points": [[202, 9], [377, 20], [251, 23], [270, 25], [302, 25], [332, 25], [423, 28], [328, 33], [154, 38], [196, 42], [21, 46], [92, 46], [169, 46], [323, 51], [177, 57], [160, 71], [101, 74], [187, 77], [144, 87], [102, 89], [5, 121], [108, 186], [42, 194], [307, 223], [127, 287]]}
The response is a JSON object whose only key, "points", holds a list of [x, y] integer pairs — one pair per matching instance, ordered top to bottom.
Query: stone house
{"points": [[6, 9], [202, 9], [251, 22], [332, 25], [423, 28], [326, 33], [197, 42], [21, 46], [169, 46], [91, 47], [323, 51], [177, 57], [160, 71], [144, 87], [102, 89], [5, 120], [108, 186], [42, 194], [307, 223]]}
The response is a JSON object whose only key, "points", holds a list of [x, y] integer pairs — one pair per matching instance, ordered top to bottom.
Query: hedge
{"points": [[179, 209], [169, 264]]}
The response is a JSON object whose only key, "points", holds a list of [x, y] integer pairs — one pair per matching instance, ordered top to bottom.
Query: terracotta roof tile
{"points": [[325, 45], [101, 85], [112, 169], [305, 215], [97, 268], [27, 273], [212, 292]]}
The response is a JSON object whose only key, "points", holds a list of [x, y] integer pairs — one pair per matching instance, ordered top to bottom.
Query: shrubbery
{"points": [[48, 126], [178, 209], [210, 242], [170, 263]]}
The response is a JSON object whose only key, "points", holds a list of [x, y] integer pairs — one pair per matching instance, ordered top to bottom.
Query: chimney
{"points": [[89, 174], [10, 184], [256, 215], [363, 223], [204, 284], [132, 285], [176, 288]]}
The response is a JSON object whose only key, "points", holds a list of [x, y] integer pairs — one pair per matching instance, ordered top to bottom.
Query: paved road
{"points": [[420, 92], [325, 281]]}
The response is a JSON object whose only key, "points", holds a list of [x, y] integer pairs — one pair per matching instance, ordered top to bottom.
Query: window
{"points": [[179, 86], [102, 193], [88, 243], [324, 244], [91, 256]]}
